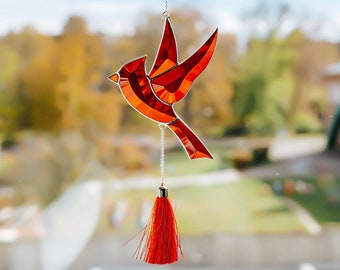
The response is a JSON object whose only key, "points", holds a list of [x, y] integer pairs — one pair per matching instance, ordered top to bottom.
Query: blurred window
{"points": [[334, 93]]}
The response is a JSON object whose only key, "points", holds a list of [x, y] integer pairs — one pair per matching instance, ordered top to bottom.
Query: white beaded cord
{"points": [[166, 14], [162, 128]]}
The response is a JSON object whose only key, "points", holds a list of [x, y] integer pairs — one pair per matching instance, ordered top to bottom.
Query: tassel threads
{"points": [[160, 242]]}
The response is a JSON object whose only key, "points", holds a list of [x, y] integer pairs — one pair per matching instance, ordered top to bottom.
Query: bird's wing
{"points": [[167, 52], [173, 85], [136, 89]]}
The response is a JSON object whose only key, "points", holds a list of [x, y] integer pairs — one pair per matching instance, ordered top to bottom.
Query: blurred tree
{"points": [[267, 19], [75, 26], [81, 61], [8, 64], [71, 66], [307, 66], [263, 72], [277, 76], [37, 83], [53, 83], [264, 85], [213, 89], [31, 92], [9, 107]]}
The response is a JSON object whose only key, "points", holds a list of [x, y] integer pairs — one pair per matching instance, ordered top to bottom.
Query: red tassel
{"points": [[160, 242]]}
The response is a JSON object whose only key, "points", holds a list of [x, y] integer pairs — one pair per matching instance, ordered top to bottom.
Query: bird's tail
{"points": [[192, 144]]}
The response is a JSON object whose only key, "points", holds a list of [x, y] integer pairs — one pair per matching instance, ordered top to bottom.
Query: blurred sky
{"points": [[120, 16]]}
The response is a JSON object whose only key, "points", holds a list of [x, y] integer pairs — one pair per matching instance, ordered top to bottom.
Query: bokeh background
{"points": [[79, 166]]}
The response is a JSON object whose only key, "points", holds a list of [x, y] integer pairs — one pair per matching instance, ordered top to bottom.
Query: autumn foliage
{"points": [[54, 83]]}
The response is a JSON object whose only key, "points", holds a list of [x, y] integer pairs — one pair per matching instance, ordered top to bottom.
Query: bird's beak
{"points": [[114, 77]]}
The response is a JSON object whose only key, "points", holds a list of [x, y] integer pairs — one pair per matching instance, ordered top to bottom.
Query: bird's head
{"points": [[126, 70]]}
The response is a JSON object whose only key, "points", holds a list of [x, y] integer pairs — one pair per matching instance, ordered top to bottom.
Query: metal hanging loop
{"points": [[165, 14]]}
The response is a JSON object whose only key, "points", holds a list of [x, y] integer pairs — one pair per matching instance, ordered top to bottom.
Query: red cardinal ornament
{"points": [[154, 94]]}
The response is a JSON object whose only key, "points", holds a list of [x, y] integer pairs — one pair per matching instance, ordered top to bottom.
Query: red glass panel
{"points": [[167, 52], [173, 85], [136, 89], [194, 147]]}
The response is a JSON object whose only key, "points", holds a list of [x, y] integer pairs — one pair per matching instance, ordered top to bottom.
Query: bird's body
{"points": [[168, 82]]}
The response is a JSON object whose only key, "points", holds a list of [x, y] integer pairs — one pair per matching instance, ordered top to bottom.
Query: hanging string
{"points": [[165, 14], [162, 128]]}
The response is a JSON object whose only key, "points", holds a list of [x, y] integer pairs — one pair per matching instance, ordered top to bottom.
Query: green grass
{"points": [[324, 203], [239, 207]]}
